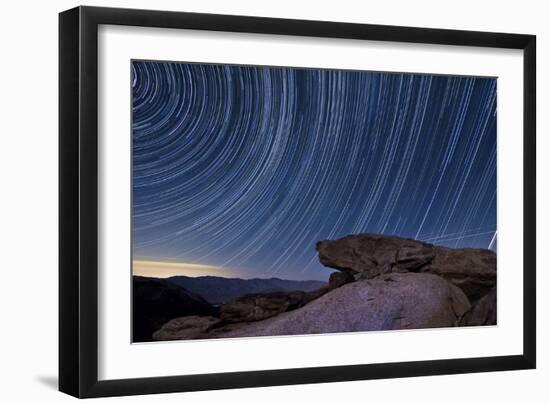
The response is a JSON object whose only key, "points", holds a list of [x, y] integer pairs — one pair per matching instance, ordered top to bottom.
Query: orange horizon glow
{"points": [[166, 269]]}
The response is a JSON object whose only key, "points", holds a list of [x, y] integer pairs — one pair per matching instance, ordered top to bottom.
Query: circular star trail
{"points": [[247, 167]]}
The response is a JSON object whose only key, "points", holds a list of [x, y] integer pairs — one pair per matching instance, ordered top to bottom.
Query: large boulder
{"points": [[366, 256], [472, 270], [155, 301], [389, 302], [483, 312], [189, 327]]}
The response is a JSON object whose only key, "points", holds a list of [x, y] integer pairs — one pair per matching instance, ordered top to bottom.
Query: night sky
{"points": [[245, 168]]}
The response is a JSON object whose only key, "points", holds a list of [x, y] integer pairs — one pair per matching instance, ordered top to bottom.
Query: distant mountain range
{"points": [[218, 290]]}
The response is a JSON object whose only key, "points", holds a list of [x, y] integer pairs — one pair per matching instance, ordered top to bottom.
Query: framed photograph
{"points": [[251, 201]]}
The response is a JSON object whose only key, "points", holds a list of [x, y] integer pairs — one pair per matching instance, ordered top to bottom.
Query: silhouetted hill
{"points": [[218, 290], [157, 300]]}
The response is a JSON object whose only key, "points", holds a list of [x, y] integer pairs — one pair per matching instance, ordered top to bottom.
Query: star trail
{"points": [[244, 168]]}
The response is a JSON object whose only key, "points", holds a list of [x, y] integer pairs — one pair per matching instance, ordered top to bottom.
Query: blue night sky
{"points": [[245, 168]]}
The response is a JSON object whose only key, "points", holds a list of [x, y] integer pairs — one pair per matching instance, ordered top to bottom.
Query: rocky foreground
{"points": [[382, 283]]}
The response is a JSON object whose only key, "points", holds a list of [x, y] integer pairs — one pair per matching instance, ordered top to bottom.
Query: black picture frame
{"points": [[78, 204]]}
